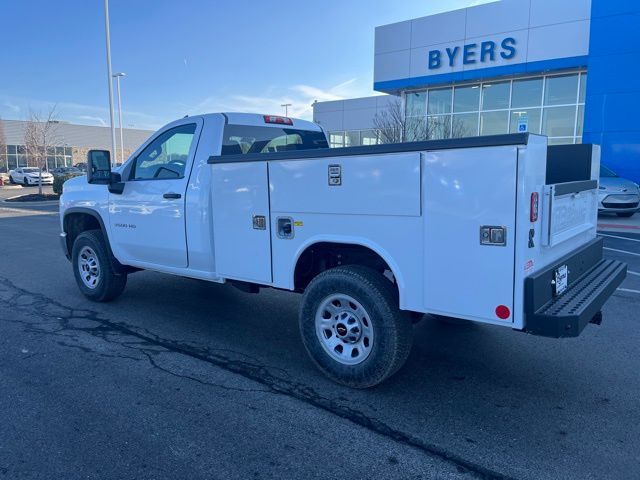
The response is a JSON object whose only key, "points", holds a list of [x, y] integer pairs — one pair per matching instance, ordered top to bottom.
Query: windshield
{"points": [[239, 139], [29, 170], [606, 172]]}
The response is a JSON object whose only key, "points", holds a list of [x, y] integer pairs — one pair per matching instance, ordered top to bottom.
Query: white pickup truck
{"points": [[374, 236]]}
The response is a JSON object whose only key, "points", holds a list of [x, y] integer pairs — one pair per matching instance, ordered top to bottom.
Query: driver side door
{"points": [[147, 219]]}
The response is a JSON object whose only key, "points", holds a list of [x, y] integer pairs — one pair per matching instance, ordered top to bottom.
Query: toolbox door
{"points": [[241, 226]]}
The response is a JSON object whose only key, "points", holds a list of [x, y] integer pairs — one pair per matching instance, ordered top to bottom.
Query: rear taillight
{"points": [[278, 120], [533, 212]]}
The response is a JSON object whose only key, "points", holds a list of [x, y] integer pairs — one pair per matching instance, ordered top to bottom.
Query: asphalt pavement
{"points": [[179, 378]]}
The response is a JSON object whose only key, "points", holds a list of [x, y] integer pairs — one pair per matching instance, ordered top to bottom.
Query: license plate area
{"points": [[561, 276]]}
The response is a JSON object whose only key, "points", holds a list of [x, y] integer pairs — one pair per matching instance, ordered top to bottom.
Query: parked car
{"points": [[81, 166], [61, 171], [30, 176], [617, 195]]}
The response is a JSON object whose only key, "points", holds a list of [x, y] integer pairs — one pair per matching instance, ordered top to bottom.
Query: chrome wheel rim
{"points": [[89, 267], [344, 329]]}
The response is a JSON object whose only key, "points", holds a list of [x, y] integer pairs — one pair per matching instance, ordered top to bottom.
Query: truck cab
{"points": [[373, 236]]}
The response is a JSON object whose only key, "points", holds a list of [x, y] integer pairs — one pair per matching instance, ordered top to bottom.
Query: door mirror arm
{"points": [[116, 185]]}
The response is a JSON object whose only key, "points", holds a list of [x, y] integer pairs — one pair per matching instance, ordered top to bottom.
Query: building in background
{"points": [[566, 69], [72, 143]]}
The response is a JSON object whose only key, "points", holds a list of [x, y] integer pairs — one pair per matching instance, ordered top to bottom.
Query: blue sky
{"points": [[191, 56]]}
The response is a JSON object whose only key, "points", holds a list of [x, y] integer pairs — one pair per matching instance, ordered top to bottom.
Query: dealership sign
{"points": [[473, 53]]}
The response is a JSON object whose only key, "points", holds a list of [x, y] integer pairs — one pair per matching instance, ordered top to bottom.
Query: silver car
{"points": [[617, 195]]}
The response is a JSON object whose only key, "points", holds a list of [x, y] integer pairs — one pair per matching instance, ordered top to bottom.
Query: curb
{"points": [[44, 203]]}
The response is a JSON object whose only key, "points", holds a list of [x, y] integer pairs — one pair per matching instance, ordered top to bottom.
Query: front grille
{"points": [[619, 205]]}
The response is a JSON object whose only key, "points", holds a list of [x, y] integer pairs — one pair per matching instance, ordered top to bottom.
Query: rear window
{"points": [[239, 139]]}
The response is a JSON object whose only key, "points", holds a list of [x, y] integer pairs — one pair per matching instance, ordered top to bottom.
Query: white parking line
{"points": [[617, 236], [622, 251], [637, 274], [628, 290]]}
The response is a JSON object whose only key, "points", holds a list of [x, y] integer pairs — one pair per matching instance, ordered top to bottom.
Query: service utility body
{"points": [[498, 230]]}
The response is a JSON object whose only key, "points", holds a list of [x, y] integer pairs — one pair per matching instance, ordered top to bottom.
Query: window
{"points": [[583, 88], [561, 90], [527, 93], [495, 96], [466, 99], [439, 101], [416, 104], [552, 104], [533, 119], [559, 121], [494, 123], [465, 125], [369, 137], [352, 138], [240, 139], [336, 139], [166, 156]]}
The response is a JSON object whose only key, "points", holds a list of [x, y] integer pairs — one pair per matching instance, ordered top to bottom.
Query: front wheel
{"points": [[11, 180], [25, 182], [93, 269], [352, 327]]}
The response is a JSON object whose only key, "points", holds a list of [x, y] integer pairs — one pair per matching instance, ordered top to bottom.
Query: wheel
{"points": [[11, 180], [25, 182], [625, 214], [93, 269], [352, 327]]}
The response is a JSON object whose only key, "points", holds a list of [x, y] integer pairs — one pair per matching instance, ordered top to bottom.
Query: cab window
{"points": [[240, 139], [166, 156]]}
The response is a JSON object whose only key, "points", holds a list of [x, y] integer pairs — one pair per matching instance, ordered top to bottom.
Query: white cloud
{"points": [[301, 98], [11, 106], [91, 118]]}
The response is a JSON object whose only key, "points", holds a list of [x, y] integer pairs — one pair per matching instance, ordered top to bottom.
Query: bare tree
{"points": [[394, 126], [40, 140], [3, 146]]}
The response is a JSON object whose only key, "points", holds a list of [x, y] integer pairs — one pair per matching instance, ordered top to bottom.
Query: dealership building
{"points": [[567, 69], [69, 146]]}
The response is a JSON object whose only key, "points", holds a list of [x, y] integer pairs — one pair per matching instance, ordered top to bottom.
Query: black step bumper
{"points": [[592, 280]]}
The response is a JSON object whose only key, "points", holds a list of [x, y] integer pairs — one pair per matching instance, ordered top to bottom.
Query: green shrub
{"points": [[58, 181]]}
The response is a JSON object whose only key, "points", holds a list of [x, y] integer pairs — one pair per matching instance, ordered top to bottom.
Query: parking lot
{"points": [[183, 379]]}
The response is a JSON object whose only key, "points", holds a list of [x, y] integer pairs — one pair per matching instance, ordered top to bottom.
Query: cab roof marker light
{"points": [[277, 120]]}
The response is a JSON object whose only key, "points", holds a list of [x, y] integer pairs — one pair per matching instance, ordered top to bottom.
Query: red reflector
{"points": [[279, 120], [533, 212], [503, 312]]}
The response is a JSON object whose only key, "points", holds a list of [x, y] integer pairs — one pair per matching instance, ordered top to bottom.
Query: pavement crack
{"points": [[147, 344]]}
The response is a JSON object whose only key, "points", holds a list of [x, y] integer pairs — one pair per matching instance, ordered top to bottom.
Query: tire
{"points": [[11, 180], [25, 182], [625, 214], [90, 255], [376, 317]]}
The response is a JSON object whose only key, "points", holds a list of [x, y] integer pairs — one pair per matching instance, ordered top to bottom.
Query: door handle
{"points": [[172, 196]]}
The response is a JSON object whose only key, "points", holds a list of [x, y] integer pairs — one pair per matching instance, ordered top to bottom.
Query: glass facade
{"points": [[552, 105], [15, 156]]}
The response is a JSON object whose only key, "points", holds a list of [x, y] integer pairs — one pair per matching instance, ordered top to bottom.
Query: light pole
{"points": [[108, 39], [117, 77], [286, 108]]}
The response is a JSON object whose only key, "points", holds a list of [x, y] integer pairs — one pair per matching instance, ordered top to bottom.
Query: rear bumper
{"points": [[591, 281]]}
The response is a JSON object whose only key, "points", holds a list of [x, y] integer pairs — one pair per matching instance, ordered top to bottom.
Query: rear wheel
{"points": [[625, 214], [93, 269], [352, 327]]}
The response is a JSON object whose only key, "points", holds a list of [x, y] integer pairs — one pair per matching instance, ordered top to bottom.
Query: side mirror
{"points": [[99, 167]]}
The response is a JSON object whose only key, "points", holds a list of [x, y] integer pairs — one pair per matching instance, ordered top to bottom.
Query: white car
{"points": [[30, 176]]}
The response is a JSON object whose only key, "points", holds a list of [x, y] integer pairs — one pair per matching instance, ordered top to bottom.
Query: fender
{"points": [[361, 241], [117, 266]]}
